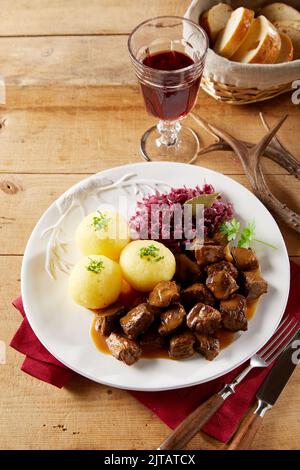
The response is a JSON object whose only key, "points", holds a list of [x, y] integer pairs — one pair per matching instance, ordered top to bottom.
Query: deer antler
{"points": [[275, 150], [280, 154], [250, 156]]}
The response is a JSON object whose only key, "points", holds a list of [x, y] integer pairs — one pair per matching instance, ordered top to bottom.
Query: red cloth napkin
{"points": [[38, 362], [171, 406]]}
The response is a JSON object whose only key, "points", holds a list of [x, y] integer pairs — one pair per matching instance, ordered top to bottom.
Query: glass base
{"points": [[183, 149]]}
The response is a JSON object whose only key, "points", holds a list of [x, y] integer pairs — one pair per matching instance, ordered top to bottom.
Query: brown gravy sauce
{"points": [[225, 337]]}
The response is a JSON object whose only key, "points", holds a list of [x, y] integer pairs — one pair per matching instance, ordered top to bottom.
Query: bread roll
{"points": [[280, 12], [215, 19], [292, 29], [234, 33], [262, 44], [287, 51]]}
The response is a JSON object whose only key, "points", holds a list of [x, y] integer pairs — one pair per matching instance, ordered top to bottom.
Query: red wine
{"points": [[168, 60], [165, 102]]}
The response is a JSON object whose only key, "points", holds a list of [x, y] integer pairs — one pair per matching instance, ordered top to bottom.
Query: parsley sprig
{"points": [[100, 222], [231, 228], [247, 235], [150, 253], [95, 266]]}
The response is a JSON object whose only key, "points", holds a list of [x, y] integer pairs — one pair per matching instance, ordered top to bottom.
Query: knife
{"points": [[267, 396]]}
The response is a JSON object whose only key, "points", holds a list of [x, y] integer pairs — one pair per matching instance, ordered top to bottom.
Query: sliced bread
{"points": [[280, 12], [215, 19], [288, 23], [292, 29], [234, 33], [262, 44], [286, 53]]}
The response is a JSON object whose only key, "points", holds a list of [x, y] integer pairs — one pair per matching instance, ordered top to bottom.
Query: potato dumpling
{"points": [[103, 233], [144, 263], [95, 282]]}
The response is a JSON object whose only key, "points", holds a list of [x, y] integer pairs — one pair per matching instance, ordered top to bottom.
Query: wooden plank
{"points": [[41, 17], [66, 60], [86, 61], [74, 73], [84, 129], [20, 212], [77, 417]]}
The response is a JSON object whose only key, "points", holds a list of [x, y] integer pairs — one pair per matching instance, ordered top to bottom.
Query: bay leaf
{"points": [[206, 199]]}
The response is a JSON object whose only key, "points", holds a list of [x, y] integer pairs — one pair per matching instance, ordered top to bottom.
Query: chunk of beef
{"points": [[218, 238], [208, 254], [245, 259], [222, 266], [187, 270], [221, 284], [254, 285], [197, 293], [164, 294], [137, 299], [155, 310], [233, 313], [108, 319], [171, 319], [204, 319], [137, 321], [152, 339], [182, 345], [208, 346], [123, 349]]}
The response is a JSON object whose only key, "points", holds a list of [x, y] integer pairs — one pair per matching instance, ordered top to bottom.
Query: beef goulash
{"points": [[209, 294]]}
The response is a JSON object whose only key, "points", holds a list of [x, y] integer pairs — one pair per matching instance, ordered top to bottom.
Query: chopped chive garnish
{"points": [[100, 222], [150, 253], [95, 266]]}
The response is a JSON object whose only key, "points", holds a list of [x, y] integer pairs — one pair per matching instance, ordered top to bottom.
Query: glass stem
{"points": [[169, 131]]}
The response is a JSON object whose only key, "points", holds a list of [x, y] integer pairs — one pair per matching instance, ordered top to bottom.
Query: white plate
{"points": [[63, 327]]}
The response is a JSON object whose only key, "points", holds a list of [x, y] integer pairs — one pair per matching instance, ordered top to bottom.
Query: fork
{"points": [[282, 337]]}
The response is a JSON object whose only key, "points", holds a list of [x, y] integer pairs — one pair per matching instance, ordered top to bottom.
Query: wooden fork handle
{"points": [[192, 424], [244, 437]]}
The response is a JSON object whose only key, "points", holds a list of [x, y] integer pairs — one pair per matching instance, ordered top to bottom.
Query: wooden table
{"points": [[73, 108]]}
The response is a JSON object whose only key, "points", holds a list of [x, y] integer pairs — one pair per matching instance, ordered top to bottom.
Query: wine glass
{"points": [[168, 55]]}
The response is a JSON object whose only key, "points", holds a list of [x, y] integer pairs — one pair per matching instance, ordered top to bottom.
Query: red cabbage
{"points": [[219, 212]]}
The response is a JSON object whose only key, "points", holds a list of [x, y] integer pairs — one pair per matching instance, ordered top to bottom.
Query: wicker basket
{"points": [[235, 83]]}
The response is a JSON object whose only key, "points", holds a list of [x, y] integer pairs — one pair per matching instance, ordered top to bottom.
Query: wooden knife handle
{"points": [[192, 424], [244, 436]]}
